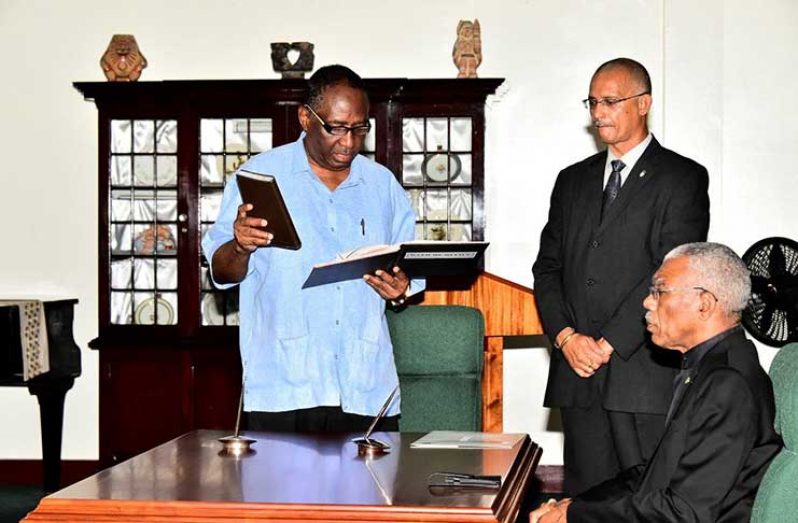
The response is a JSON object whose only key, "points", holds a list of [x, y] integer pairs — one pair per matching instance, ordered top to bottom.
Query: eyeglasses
{"points": [[609, 103], [341, 130], [656, 292]]}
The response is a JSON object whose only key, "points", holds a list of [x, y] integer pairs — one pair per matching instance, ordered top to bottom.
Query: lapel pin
{"points": [[642, 173]]}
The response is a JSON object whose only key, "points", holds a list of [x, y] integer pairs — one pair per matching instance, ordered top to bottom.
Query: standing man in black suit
{"points": [[612, 219], [719, 437]]}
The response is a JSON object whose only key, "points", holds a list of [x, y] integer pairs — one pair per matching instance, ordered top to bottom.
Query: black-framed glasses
{"points": [[609, 103], [341, 130], [656, 292]]}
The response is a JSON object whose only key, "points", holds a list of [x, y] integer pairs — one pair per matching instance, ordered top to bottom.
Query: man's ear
{"points": [[644, 104], [304, 117], [708, 306]]}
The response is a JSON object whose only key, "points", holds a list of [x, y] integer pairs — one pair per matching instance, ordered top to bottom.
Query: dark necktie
{"points": [[613, 186], [680, 383]]}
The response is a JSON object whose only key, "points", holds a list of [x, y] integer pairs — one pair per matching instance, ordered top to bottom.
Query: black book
{"points": [[262, 192], [419, 258]]}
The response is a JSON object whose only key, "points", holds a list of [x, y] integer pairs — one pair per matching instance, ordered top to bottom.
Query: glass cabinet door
{"points": [[225, 145], [437, 175], [143, 222]]}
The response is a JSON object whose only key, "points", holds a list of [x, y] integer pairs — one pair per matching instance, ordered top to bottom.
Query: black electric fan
{"points": [[772, 314]]}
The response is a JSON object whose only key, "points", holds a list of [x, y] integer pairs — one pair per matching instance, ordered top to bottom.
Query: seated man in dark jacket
{"points": [[719, 436]]}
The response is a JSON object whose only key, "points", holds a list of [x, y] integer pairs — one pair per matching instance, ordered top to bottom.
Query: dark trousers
{"points": [[316, 419], [599, 443]]}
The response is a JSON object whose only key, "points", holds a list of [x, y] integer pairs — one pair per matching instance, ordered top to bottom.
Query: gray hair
{"points": [[720, 271]]}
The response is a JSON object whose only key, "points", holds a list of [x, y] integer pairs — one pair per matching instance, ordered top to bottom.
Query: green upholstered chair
{"points": [[439, 352], [777, 498]]}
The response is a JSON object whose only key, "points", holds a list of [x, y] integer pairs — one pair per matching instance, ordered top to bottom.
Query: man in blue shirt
{"points": [[316, 359]]}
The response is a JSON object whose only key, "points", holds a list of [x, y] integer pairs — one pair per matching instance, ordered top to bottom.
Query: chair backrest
{"points": [[439, 352], [777, 498]]}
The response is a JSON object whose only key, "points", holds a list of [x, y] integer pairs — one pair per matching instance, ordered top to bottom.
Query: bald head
{"points": [[637, 73]]}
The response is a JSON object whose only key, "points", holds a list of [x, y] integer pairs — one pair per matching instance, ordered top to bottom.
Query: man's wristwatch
{"points": [[398, 302]]}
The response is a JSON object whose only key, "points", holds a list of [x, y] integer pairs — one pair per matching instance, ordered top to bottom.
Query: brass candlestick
{"points": [[237, 445]]}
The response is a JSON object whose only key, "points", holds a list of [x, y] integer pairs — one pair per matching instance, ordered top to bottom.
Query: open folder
{"points": [[417, 259], [445, 439]]}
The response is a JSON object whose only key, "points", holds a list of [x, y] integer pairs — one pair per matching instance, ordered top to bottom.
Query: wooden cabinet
{"points": [[167, 338]]}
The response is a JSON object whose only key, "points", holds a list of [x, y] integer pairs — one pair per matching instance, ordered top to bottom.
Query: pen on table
{"points": [[363, 226], [454, 479]]}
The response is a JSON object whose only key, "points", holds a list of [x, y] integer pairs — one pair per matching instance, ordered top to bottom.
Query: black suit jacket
{"points": [[593, 274], [712, 456]]}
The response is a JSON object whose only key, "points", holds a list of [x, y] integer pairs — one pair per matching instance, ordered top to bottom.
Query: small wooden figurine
{"points": [[467, 52], [122, 61]]}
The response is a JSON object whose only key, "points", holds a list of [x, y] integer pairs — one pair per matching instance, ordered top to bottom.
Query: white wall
{"points": [[724, 95]]}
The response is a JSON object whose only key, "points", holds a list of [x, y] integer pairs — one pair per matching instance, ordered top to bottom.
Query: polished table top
{"points": [[295, 476]]}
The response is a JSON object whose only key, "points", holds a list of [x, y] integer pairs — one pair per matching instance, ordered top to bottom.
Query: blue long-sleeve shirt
{"points": [[326, 345]]}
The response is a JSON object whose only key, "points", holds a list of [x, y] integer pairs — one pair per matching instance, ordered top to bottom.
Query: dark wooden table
{"points": [[294, 477]]}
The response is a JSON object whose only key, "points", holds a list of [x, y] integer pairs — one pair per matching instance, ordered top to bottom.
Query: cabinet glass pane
{"points": [[437, 134], [211, 135], [236, 135], [260, 135], [413, 135], [121, 136], [143, 136], [166, 136], [460, 136], [370, 143], [232, 162], [166, 169], [411, 169], [460, 169], [121, 170], [211, 170], [144, 171], [416, 197], [460, 204], [435, 205], [121, 206], [209, 206], [143, 229], [435, 231], [460, 232], [121, 238], [158, 240], [122, 274], [144, 274], [207, 285], [122, 308], [159, 308], [219, 308]]}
